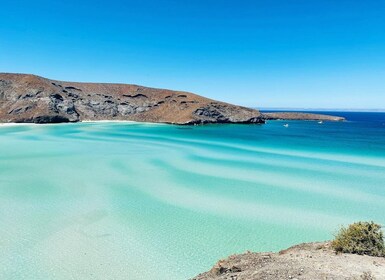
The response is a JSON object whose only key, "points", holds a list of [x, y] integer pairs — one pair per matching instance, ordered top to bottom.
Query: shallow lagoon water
{"points": [[150, 201]]}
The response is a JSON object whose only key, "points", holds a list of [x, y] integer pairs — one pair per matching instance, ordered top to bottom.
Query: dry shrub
{"points": [[362, 238]]}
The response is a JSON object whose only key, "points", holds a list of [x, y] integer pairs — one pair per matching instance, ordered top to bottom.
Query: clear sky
{"points": [[272, 53]]}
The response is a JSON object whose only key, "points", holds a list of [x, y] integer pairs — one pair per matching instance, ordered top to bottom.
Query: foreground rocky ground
{"points": [[34, 99], [304, 261]]}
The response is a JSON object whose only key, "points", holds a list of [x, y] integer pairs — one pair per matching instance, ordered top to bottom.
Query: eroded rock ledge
{"points": [[34, 99], [304, 261]]}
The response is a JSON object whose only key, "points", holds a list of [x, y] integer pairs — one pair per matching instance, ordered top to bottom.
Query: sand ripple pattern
{"points": [[145, 201]]}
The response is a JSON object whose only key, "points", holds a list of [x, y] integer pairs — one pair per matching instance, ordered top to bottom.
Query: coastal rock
{"points": [[30, 98], [224, 113], [300, 116], [304, 261]]}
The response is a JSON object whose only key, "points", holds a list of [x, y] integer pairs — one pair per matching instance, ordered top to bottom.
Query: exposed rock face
{"points": [[29, 98], [224, 113], [300, 116], [304, 261]]}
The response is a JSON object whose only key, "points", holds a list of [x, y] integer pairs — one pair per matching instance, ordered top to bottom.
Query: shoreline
{"points": [[276, 116], [8, 124]]}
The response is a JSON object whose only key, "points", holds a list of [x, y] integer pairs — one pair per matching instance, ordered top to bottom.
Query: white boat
{"points": [[320, 122], [286, 125]]}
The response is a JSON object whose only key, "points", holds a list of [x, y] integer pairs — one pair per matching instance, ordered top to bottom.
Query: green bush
{"points": [[362, 238]]}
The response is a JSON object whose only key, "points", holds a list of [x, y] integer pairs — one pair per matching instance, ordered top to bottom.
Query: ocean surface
{"points": [[152, 201]]}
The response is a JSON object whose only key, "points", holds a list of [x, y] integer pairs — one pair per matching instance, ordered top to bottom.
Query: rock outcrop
{"points": [[30, 98], [300, 116], [305, 261]]}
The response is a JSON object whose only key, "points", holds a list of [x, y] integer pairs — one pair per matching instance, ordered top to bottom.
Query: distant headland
{"points": [[26, 98]]}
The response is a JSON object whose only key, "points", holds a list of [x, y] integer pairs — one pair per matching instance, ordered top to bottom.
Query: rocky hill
{"points": [[30, 98], [34, 99], [305, 261]]}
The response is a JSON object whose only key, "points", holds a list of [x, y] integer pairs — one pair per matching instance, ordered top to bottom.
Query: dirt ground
{"points": [[304, 261]]}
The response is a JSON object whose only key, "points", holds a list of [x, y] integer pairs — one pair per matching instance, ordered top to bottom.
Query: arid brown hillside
{"points": [[30, 98]]}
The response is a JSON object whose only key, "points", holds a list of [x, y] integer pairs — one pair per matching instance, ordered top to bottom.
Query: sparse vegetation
{"points": [[362, 238], [367, 276]]}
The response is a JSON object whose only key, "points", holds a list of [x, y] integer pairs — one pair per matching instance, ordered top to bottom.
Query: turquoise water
{"points": [[146, 201]]}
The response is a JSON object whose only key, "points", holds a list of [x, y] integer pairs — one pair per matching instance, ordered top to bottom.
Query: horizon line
{"points": [[322, 109]]}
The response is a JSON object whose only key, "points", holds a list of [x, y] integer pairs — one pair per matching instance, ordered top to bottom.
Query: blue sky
{"points": [[277, 53]]}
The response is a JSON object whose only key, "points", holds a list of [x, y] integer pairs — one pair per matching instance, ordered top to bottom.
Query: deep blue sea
{"points": [[114, 200]]}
